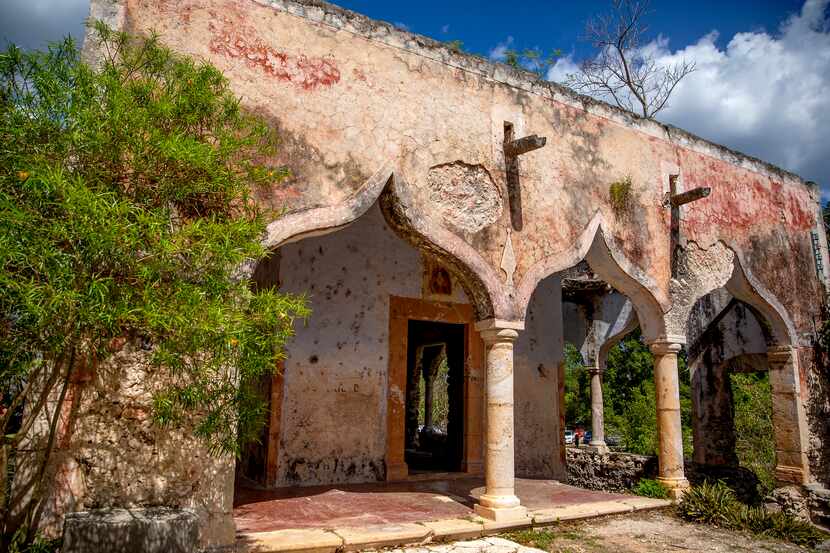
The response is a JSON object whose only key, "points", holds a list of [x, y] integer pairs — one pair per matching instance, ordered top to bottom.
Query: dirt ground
{"points": [[648, 532]]}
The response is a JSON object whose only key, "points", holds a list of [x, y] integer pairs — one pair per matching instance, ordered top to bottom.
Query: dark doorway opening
{"points": [[434, 428]]}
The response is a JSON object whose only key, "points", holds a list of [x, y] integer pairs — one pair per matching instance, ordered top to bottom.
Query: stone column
{"points": [[429, 381], [597, 411], [789, 419], [669, 430], [499, 501]]}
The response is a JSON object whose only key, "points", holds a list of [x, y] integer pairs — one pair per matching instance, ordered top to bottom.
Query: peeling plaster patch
{"points": [[306, 72], [465, 195], [701, 271]]}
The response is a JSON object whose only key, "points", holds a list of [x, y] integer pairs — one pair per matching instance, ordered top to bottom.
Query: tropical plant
{"points": [[126, 212], [647, 487], [716, 504]]}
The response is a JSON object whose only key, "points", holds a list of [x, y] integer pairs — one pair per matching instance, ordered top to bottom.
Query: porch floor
{"points": [[359, 516]]}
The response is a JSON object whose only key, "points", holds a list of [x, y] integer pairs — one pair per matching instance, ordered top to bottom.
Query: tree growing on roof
{"points": [[624, 71]]}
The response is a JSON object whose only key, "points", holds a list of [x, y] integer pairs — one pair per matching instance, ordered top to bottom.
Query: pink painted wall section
{"points": [[347, 95]]}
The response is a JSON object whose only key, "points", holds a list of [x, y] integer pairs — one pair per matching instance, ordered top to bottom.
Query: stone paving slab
{"points": [[587, 510], [437, 526], [456, 529], [355, 539], [306, 540], [483, 545]]}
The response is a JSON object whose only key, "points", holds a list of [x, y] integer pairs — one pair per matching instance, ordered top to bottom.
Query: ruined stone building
{"points": [[438, 205]]}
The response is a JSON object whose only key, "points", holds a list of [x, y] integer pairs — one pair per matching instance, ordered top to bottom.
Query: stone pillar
{"points": [[429, 381], [597, 411], [713, 417], [789, 419], [669, 430], [499, 501]]}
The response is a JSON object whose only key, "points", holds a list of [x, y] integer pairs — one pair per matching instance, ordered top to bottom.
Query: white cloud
{"points": [[400, 25], [446, 28], [499, 52], [563, 67], [764, 94]]}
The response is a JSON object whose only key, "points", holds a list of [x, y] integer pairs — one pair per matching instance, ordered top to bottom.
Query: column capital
{"points": [[499, 324], [497, 331], [493, 336], [667, 343], [780, 354]]}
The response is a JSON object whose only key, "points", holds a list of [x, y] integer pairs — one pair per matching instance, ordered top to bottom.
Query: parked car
{"points": [[569, 437], [586, 438], [613, 440]]}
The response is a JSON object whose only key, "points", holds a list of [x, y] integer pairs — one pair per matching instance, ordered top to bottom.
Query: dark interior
{"points": [[431, 448]]}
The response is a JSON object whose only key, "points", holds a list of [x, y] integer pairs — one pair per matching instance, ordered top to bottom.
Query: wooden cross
{"points": [[513, 148], [675, 200]]}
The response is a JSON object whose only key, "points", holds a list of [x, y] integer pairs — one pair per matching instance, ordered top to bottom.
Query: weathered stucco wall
{"points": [[349, 94], [366, 110], [537, 355], [335, 374], [109, 453]]}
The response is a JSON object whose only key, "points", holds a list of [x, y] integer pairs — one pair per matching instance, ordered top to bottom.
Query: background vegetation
{"points": [[125, 216], [631, 412]]}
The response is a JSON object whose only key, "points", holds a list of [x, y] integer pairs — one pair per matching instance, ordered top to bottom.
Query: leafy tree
{"points": [[532, 59], [125, 215], [577, 388], [629, 396], [754, 443]]}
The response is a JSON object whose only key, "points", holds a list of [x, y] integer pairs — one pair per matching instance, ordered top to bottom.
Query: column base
{"points": [[599, 447], [398, 471], [790, 475], [675, 486], [500, 508], [501, 514]]}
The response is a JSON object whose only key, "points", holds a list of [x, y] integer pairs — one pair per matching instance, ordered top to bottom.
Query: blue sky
{"points": [[550, 24], [762, 84]]}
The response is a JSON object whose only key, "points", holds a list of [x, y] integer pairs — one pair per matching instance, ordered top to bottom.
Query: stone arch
{"points": [[410, 221], [418, 225], [610, 266], [722, 267], [743, 286], [615, 336], [718, 348]]}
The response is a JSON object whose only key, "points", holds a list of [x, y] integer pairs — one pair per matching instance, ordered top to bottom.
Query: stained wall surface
{"points": [[364, 110], [333, 416]]}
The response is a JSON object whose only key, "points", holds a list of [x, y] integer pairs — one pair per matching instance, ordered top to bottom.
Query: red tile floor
{"points": [[360, 505]]}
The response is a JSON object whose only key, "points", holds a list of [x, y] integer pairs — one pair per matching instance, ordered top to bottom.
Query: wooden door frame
{"points": [[401, 311]]}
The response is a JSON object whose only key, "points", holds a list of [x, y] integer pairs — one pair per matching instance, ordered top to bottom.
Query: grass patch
{"points": [[647, 487], [717, 505], [540, 539]]}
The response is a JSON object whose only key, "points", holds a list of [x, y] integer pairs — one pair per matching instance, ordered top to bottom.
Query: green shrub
{"points": [[127, 207], [651, 488], [710, 503], [716, 504], [17, 543]]}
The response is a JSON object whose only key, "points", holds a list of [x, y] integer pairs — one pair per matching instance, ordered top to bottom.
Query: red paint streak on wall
{"points": [[305, 72], [742, 201]]}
